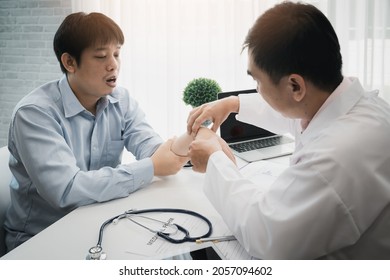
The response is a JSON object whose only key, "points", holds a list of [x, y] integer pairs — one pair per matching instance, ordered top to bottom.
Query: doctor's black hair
{"points": [[79, 31], [296, 38]]}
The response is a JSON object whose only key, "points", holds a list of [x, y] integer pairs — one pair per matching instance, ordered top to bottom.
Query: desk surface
{"points": [[74, 234]]}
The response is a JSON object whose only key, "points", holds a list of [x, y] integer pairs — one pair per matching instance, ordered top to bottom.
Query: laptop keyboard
{"points": [[260, 143]]}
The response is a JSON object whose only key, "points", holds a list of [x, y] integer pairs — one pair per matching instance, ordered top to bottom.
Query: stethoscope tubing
{"points": [[186, 238]]}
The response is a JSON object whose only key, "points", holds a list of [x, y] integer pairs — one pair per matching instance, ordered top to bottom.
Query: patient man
{"points": [[66, 137]]}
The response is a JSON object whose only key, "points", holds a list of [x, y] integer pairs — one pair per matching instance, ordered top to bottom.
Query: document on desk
{"points": [[263, 171], [151, 246]]}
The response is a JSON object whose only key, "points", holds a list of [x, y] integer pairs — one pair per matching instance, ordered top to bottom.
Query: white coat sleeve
{"points": [[254, 110], [294, 218]]}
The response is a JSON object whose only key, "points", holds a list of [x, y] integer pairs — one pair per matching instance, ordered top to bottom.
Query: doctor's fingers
{"points": [[201, 114], [195, 120], [200, 151], [199, 163], [198, 166]]}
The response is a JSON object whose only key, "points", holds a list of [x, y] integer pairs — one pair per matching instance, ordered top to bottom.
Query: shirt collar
{"points": [[342, 99], [71, 104]]}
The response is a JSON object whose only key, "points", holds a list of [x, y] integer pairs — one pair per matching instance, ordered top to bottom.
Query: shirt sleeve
{"points": [[254, 110], [139, 137], [39, 147], [294, 218]]}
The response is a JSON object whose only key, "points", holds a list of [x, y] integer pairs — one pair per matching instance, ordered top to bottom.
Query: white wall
{"points": [[27, 59]]}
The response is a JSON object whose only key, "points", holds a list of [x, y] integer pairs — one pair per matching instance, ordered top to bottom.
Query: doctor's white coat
{"points": [[333, 201]]}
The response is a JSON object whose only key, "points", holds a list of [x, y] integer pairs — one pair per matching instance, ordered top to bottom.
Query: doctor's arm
{"points": [[251, 108], [216, 111], [298, 217]]}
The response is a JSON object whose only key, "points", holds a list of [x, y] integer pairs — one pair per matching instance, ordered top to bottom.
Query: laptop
{"points": [[252, 143]]}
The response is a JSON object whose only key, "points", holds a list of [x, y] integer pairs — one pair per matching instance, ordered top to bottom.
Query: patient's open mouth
{"points": [[111, 81]]}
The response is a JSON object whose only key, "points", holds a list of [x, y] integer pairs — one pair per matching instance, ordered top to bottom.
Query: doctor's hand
{"points": [[216, 111], [205, 144], [165, 162]]}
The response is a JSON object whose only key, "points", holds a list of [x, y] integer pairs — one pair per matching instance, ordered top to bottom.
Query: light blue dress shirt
{"points": [[62, 156]]}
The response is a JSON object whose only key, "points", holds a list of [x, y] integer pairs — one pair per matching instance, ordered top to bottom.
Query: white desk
{"points": [[74, 234]]}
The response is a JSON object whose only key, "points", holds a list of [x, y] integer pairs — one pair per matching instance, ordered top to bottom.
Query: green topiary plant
{"points": [[200, 91]]}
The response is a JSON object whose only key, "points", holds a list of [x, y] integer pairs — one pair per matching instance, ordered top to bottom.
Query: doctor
{"points": [[333, 202]]}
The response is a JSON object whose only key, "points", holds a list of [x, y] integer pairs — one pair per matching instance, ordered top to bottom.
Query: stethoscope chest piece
{"points": [[96, 253]]}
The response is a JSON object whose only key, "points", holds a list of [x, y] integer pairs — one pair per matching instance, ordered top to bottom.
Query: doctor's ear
{"points": [[68, 62], [297, 86]]}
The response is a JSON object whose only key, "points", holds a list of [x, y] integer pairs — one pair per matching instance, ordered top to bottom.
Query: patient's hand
{"points": [[181, 144], [165, 162]]}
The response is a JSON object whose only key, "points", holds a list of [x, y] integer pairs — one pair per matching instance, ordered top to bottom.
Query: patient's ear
{"points": [[68, 62], [297, 87]]}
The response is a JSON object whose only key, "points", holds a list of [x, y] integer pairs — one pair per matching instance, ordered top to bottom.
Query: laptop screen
{"points": [[233, 130]]}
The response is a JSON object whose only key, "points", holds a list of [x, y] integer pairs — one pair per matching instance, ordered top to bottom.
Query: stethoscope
{"points": [[96, 252]]}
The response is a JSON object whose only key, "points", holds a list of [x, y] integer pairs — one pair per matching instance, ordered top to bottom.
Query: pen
{"points": [[216, 239]]}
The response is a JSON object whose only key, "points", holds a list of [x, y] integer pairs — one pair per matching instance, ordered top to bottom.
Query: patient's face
{"points": [[97, 73]]}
